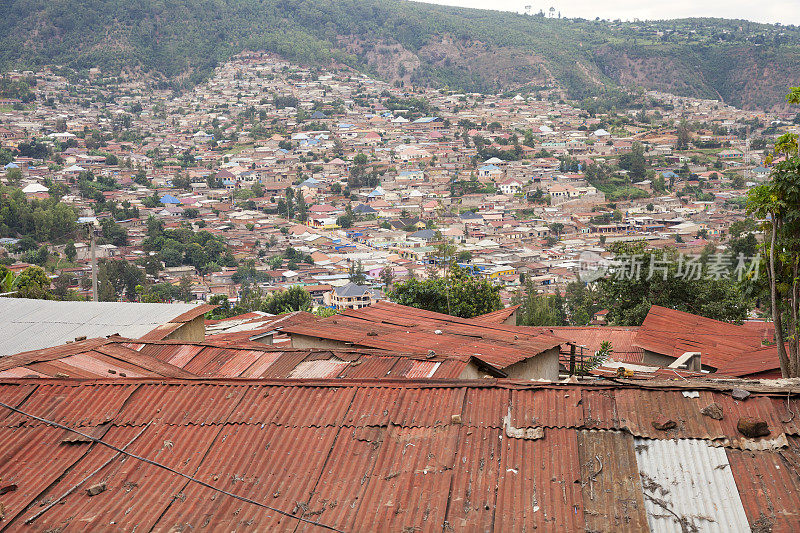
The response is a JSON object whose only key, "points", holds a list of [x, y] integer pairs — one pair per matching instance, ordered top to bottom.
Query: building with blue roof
{"points": [[169, 199]]}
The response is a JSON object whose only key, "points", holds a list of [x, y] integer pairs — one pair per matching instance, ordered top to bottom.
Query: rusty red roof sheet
{"points": [[499, 316], [393, 327], [164, 330], [672, 333], [591, 337], [118, 356], [753, 363], [374, 454]]}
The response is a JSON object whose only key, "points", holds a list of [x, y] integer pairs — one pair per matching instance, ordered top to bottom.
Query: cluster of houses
{"points": [[380, 175]]}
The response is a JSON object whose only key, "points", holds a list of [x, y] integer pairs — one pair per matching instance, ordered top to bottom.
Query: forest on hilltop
{"points": [[744, 63]]}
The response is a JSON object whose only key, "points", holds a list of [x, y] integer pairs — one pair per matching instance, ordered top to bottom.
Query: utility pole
{"points": [[92, 234], [94, 264]]}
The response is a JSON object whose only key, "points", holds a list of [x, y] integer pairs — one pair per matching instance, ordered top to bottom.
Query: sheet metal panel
{"points": [[34, 324], [48, 354], [123, 355], [179, 355], [208, 361], [239, 361], [96, 364], [284, 364], [260, 365], [375, 367], [318, 369], [422, 369], [450, 369], [65, 370], [21, 372], [14, 393], [190, 403], [73, 405], [293, 406], [405, 407], [485, 407], [757, 407], [547, 408], [599, 408], [638, 409], [788, 412], [94, 457], [28, 460], [275, 465], [343, 481], [411, 481], [539, 485], [688, 485], [769, 487], [612, 491], [137, 493], [473, 494]]}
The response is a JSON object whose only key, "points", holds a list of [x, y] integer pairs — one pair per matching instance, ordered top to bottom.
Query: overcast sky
{"points": [[770, 11]]}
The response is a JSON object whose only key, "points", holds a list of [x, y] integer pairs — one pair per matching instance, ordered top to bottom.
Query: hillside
{"points": [[746, 64]]}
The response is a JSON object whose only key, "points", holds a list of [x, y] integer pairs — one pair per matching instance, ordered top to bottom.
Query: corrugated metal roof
{"points": [[499, 316], [35, 324], [389, 326], [672, 333], [591, 337], [119, 356], [318, 369], [365, 455], [540, 484], [688, 486], [769, 486], [612, 491]]}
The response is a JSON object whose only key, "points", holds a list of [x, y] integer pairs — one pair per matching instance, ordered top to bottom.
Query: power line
{"points": [[169, 469]]}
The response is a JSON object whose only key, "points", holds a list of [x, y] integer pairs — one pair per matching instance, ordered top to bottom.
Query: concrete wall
{"points": [[194, 330], [306, 341], [656, 359], [542, 366]]}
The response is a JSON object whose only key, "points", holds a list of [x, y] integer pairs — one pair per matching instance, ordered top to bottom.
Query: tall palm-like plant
{"points": [[8, 283]]}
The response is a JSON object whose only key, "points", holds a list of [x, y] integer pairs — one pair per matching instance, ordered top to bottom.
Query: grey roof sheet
{"points": [[351, 289], [34, 324], [688, 486]]}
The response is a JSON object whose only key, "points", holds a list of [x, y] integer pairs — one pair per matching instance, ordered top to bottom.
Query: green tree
{"points": [[684, 136], [634, 162], [14, 177], [776, 203], [345, 221], [557, 228], [113, 233], [70, 251], [356, 273], [387, 275], [118, 279], [33, 283], [629, 292], [458, 294], [296, 298], [581, 302], [539, 309]]}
